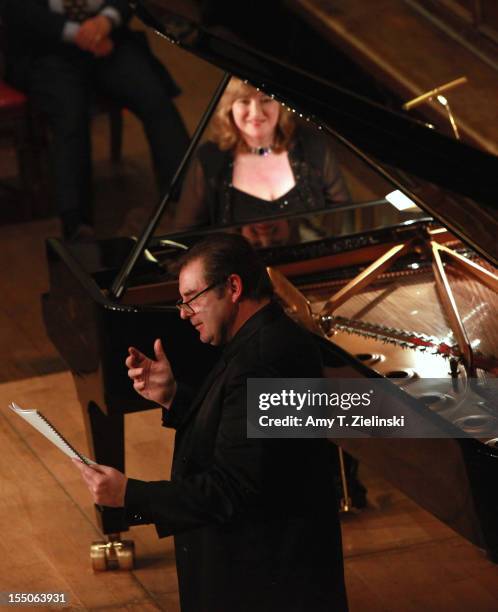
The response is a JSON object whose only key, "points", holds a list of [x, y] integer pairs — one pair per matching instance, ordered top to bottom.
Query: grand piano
{"points": [[407, 295]]}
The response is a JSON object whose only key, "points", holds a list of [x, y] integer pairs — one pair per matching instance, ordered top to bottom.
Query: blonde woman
{"points": [[259, 162]]}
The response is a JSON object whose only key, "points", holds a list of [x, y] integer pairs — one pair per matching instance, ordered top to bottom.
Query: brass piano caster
{"points": [[114, 554]]}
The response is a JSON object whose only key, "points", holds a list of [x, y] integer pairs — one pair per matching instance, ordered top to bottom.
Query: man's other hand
{"points": [[152, 378], [107, 485]]}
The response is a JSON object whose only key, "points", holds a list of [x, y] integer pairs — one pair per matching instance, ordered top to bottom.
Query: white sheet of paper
{"points": [[43, 425]]}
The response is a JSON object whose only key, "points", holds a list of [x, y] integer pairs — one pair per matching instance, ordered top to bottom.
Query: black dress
{"points": [[209, 197], [245, 207]]}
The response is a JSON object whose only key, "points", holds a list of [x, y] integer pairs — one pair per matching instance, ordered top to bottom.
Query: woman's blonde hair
{"points": [[225, 133]]}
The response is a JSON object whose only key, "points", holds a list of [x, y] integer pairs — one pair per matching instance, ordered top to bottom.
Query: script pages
{"points": [[43, 425]]}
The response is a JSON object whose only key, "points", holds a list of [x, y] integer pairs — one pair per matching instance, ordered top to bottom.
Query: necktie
{"points": [[76, 10]]}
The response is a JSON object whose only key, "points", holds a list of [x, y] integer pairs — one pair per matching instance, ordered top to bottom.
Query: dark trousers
{"points": [[64, 87]]}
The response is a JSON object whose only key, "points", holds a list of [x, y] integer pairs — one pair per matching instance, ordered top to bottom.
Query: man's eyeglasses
{"points": [[186, 307]]}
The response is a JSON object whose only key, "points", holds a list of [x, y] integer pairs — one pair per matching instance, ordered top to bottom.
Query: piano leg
{"points": [[107, 436], [106, 441], [481, 462]]}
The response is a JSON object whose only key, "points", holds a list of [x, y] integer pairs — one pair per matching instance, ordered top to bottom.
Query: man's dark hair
{"points": [[225, 254]]}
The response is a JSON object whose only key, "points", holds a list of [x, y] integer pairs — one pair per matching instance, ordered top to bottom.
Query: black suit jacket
{"points": [[255, 520]]}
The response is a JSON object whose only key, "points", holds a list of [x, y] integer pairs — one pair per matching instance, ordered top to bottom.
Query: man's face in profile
{"points": [[212, 312]]}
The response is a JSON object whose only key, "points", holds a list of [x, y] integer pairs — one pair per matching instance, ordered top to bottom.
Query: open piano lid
{"points": [[391, 142]]}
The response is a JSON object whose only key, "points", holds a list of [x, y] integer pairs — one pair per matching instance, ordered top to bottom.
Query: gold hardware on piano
{"points": [[325, 322], [113, 554]]}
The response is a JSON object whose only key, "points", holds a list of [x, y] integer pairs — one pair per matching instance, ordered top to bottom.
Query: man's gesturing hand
{"points": [[152, 378], [107, 485]]}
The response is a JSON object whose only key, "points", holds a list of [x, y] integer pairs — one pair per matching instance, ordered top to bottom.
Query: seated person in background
{"points": [[60, 52], [259, 162]]}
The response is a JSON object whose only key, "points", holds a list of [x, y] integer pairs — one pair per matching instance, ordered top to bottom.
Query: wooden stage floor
{"points": [[398, 557]]}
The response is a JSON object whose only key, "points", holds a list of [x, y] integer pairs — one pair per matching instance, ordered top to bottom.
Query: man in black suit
{"points": [[61, 52], [255, 520]]}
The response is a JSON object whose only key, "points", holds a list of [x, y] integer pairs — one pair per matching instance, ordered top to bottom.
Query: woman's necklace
{"points": [[261, 151]]}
